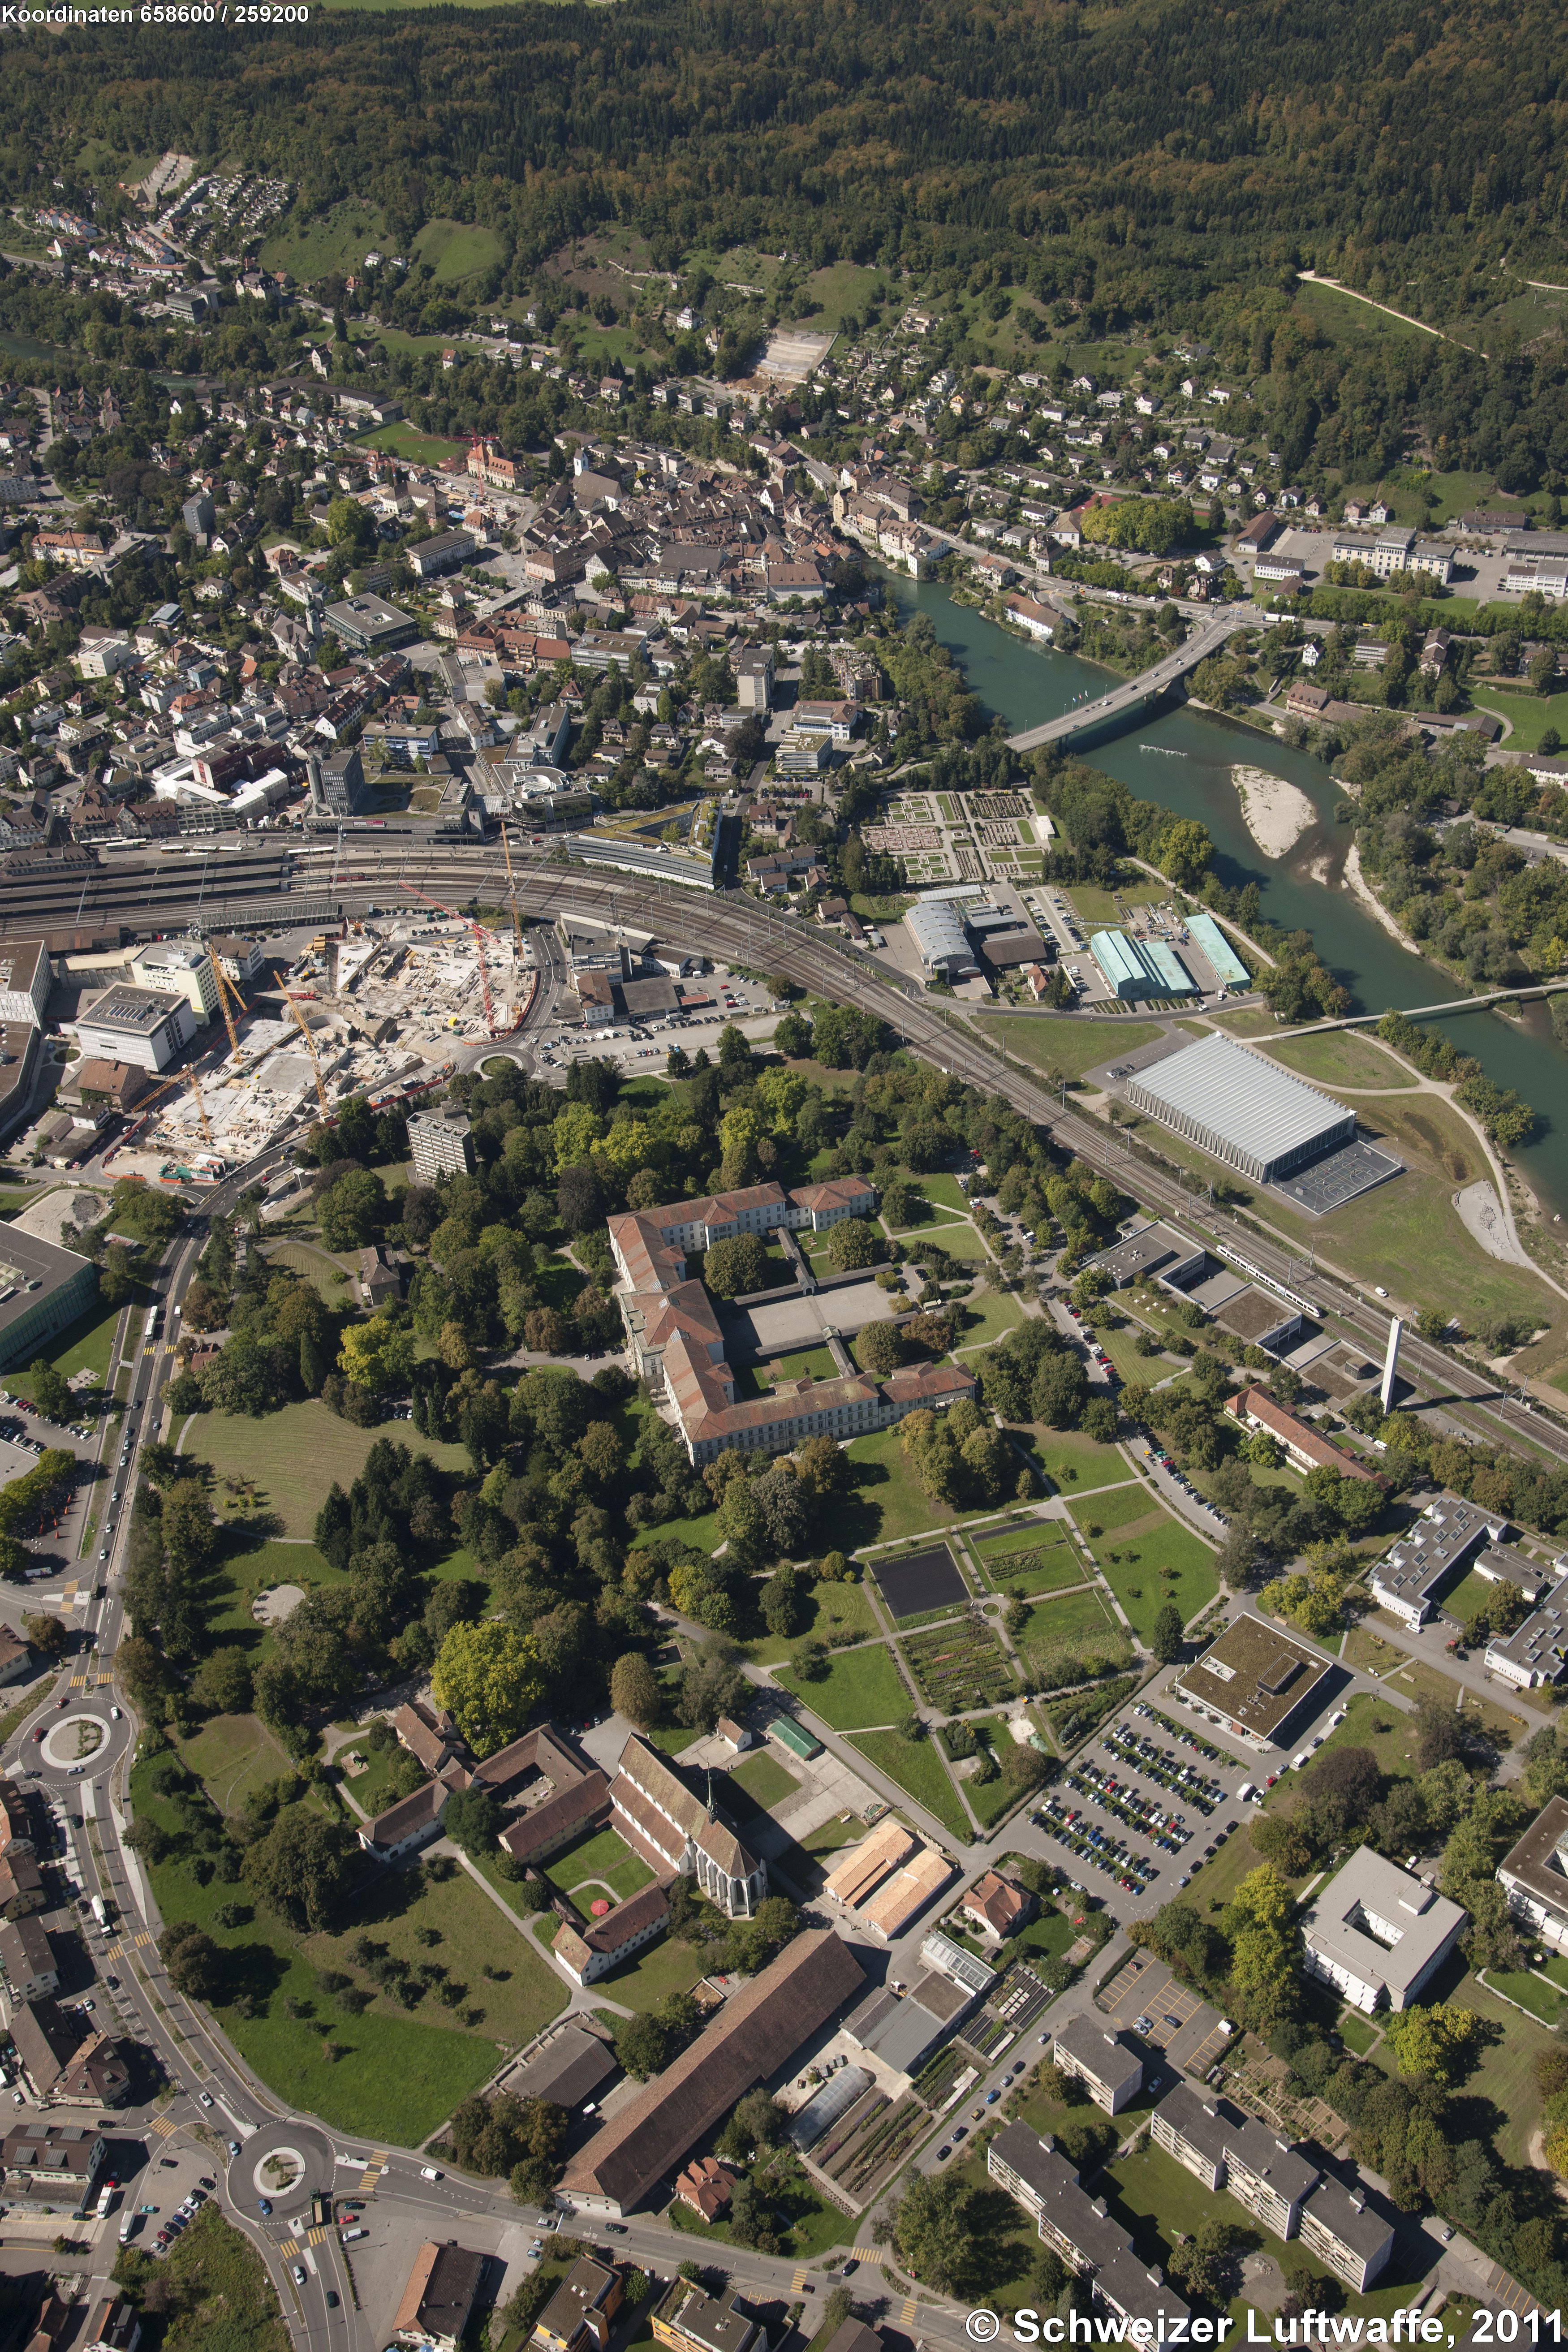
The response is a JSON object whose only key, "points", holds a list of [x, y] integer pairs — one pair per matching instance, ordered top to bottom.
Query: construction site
{"points": [[376, 1009]]}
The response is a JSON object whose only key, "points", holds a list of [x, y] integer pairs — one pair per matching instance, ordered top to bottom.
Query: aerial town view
{"points": [[783, 1066]]}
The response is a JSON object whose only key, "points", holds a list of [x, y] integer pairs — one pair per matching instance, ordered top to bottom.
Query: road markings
{"points": [[145, 1938], [114, 1951], [163, 2128], [375, 2165], [317, 2237], [864, 2253], [797, 2283], [908, 2312]]}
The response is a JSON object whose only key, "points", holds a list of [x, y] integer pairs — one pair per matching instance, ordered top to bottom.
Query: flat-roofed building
{"points": [[368, 625], [1217, 953], [181, 966], [1139, 968], [147, 1026], [1241, 1109], [440, 1143], [1152, 1251], [43, 1290], [1258, 1320], [1443, 1538], [1252, 1680], [1533, 1875], [1378, 1933], [901, 2032], [1107, 2065], [1228, 2150], [1079, 2229], [1346, 2229], [438, 2298]]}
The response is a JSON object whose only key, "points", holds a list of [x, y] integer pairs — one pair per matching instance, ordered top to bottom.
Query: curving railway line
{"points": [[281, 885]]}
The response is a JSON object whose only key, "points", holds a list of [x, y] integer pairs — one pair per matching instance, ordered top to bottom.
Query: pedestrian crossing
{"points": [[145, 1938], [162, 2126], [375, 2165], [317, 2237], [864, 2253], [797, 2282], [908, 2312]]}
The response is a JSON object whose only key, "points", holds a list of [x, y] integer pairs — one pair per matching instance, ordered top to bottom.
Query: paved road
{"points": [[1133, 693]]}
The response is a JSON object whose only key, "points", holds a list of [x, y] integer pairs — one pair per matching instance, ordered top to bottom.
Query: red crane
{"points": [[479, 931]]}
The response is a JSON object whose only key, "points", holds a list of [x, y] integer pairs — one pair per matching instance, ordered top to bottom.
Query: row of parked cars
{"points": [[1143, 1755], [1167, 1831], [1100, 1848], [180, 2219]]}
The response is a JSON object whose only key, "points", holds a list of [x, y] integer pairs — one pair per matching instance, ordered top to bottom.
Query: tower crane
{"points": [[512, 892], [225, 990], [310, 1049]]}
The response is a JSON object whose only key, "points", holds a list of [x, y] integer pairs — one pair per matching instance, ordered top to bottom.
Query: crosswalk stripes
{"points": [[78, 1682], [145, 1938], [114, 1951], [162, 2126], [375, 2165], [317, 2237], [864, 2253], [797, 2283], [908, 2312]]}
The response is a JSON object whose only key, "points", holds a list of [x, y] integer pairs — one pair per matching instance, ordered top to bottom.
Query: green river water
{"points": [[1184, 759]]}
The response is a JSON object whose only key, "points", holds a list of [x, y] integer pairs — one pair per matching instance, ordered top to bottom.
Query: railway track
{"points": [[281, 886]]}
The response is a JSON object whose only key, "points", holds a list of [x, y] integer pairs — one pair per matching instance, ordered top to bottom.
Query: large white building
{"points": [[180, 965], [144, 1026], [1411, 1571], [1534, 1875], [1379, 1933]]}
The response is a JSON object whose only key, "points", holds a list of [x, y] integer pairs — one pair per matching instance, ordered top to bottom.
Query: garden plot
{"points": [[1030, 1563], [921, 1581], [960, 1666]]}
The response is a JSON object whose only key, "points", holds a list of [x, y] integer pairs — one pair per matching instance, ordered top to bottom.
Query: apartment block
{"points": [[1107, 2065]]}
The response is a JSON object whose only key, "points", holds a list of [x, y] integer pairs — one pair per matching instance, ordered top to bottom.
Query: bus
{"points": [[150, 1330]]}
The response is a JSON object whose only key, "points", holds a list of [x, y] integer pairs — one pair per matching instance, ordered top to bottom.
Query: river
{"points": [[1184, 758]]}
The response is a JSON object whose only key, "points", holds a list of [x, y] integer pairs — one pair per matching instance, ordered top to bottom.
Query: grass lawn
{"points": [[455, 251], [403, 440], [1532, 714], [1247, 1021], [1069, 1044], [1342, 1058], [941, 1191], [958, 1241], [983, 1318], [88, 1342], [817, 1361], [297, 1452], [1070, 1459], [887, 1500], [1105, 1514], [701, 1533], [1133, 1567], [250, 1568], [830, 1608], [1065, 1616], [861, 1687], [234, 1754], [917, 1766], [765, 1781], [372, 1788], [601, 1858], [650, 1976], [1519, 1984], [512, 2007], [1358, 2033], [1504, 2075], [395, 2078], [813, 2226], [216, 2281]]}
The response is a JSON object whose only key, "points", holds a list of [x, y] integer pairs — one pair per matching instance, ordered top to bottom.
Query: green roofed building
{"points": [[1211, 942], [1135, 967], [790, 1735]]}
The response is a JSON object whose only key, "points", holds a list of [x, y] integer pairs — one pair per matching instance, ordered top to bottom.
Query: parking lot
{"points": [[1143, 1806]]}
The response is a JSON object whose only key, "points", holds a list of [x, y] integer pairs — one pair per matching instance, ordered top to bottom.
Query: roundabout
{"points": [[79, 1738], [286, 2163]]}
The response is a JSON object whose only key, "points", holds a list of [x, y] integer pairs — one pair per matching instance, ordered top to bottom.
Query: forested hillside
{"points": [[1137, 157]]}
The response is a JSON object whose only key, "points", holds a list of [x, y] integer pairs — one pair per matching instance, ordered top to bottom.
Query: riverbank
{"points": [[1275, 812], [1360, 890]]}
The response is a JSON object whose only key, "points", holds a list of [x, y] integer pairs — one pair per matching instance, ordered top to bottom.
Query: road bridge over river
{"points": [[1135, 694]]}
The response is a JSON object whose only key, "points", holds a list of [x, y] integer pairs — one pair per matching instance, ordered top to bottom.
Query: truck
{"points": [[100, 1909], [105, 2202]]}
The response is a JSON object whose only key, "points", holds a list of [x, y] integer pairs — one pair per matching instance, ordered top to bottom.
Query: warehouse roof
{"points": [[1241, 1096]]}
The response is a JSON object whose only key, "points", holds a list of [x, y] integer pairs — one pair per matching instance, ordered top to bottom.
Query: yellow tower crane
{"points": [[225, 990], [310, 1049], [201, 1108]]}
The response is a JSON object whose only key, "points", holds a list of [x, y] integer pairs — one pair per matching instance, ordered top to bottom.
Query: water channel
{"points": [[1185, 758]]}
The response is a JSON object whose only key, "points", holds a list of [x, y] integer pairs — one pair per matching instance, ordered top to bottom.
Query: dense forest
{"points": [[1136, 156]]}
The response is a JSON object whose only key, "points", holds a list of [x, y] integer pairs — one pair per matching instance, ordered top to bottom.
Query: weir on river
{"points": [[1184, 758]]}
